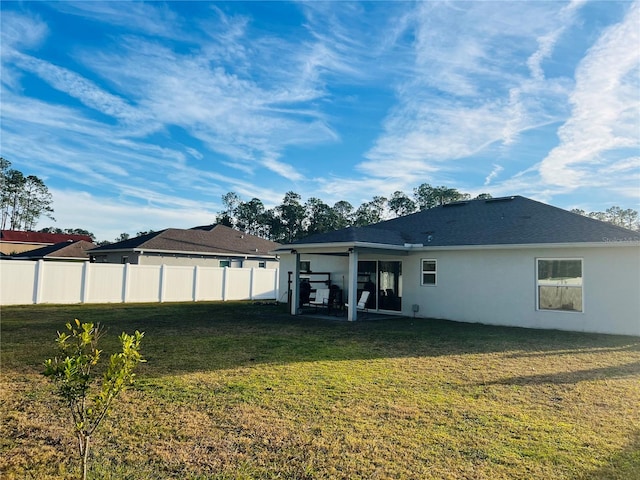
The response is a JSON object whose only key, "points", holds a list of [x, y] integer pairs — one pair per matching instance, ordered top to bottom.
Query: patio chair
{"points": [[322, 298], [362, 303]]}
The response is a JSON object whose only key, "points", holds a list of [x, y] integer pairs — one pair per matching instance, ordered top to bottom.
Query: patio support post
{"points": [[295, 285], [352, 301]]}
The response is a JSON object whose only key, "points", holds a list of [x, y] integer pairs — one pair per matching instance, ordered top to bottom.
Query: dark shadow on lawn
{"points": [[267, 335], [193, 337], [633, 347], [617, 371], [623, 466]]}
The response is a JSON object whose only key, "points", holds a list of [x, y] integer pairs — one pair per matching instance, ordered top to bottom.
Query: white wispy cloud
{"points": [[151, 19], [18, 31], [21, 31], [547, 41], [86, 91], [466, 94], [524, 99], [605, 109], [233, 114], [248, 118], [494, 174]]}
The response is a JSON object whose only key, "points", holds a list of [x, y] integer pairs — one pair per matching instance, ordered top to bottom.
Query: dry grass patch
{"points": [[239, 391]]}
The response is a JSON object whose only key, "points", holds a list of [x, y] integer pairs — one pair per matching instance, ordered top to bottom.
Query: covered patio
{"points": [[355, 267]]}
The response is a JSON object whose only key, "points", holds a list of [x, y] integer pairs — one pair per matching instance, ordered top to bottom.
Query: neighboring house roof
{"points": [[499, 221], [39, 237], [213, 239], [69, 250]]}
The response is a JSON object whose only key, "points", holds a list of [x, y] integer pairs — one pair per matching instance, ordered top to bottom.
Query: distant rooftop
{"points": [[39, 237], [204, 239], [64, 250]]}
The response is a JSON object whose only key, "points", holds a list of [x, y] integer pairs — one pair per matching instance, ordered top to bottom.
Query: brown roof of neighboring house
{"points": [[39, 237], [217, 239], [63, 250]]}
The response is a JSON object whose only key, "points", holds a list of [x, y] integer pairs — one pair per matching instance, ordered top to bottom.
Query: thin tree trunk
{"points": [[85, 457]]}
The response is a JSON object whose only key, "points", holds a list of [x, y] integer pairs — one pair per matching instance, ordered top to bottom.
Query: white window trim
{"points": [[307, 264], [422, 272], [537, 285]]}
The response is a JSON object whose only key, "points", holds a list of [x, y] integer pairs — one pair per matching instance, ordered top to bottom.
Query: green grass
{"points": [[243, 391]]}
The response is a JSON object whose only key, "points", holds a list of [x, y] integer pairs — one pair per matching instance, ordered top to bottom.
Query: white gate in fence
{"points": [[24, 282]]}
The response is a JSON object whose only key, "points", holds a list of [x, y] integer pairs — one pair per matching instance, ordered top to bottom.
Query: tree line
{"points": [[23, 199], [627, 218], [293, 219]]}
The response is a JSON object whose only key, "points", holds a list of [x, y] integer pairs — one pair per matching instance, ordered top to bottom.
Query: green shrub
{"points": [[74, 375]]}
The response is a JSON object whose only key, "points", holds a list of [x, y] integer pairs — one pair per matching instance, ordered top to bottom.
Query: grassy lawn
{"points": [[243, 391]]}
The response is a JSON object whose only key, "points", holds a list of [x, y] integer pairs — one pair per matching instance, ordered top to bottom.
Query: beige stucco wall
{"points": [[184, 260], [499, 287]]}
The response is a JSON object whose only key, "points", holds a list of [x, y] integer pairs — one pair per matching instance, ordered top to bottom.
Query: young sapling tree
{"points": [[74, 375]]}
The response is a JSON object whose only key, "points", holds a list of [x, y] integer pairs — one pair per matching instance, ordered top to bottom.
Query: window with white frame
{"points": [[225, 263], [262, 264], [429, 271], [559, 284]]}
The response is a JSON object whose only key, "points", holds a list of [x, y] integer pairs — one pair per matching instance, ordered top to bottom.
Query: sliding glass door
{"points": [[383, 279], [368, 281], [390, 282]]}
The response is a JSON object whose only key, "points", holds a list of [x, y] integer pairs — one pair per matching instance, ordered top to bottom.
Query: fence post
{"points": [[163, 281], [196, 281], [39, 282], [251, 282], [125, 283], [225, 284], [276, 285], [84, 294]]}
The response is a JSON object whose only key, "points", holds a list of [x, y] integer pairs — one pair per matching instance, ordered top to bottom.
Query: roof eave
{"points": [[520, 246], [336, 247], [342, 247], [142, 251]]}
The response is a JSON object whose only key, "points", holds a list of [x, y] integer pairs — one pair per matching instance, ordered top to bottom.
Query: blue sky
{"points": [[142, 115]]}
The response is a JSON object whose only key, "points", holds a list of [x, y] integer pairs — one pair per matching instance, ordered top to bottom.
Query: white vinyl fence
{"points": [[25, 282]]}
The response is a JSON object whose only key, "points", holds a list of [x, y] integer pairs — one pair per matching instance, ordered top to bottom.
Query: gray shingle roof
{"points": [[501, 221], [217, 239]]}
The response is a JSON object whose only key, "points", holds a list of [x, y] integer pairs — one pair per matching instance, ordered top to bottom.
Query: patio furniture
{"points": [[322, 298], [362, 302]]}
